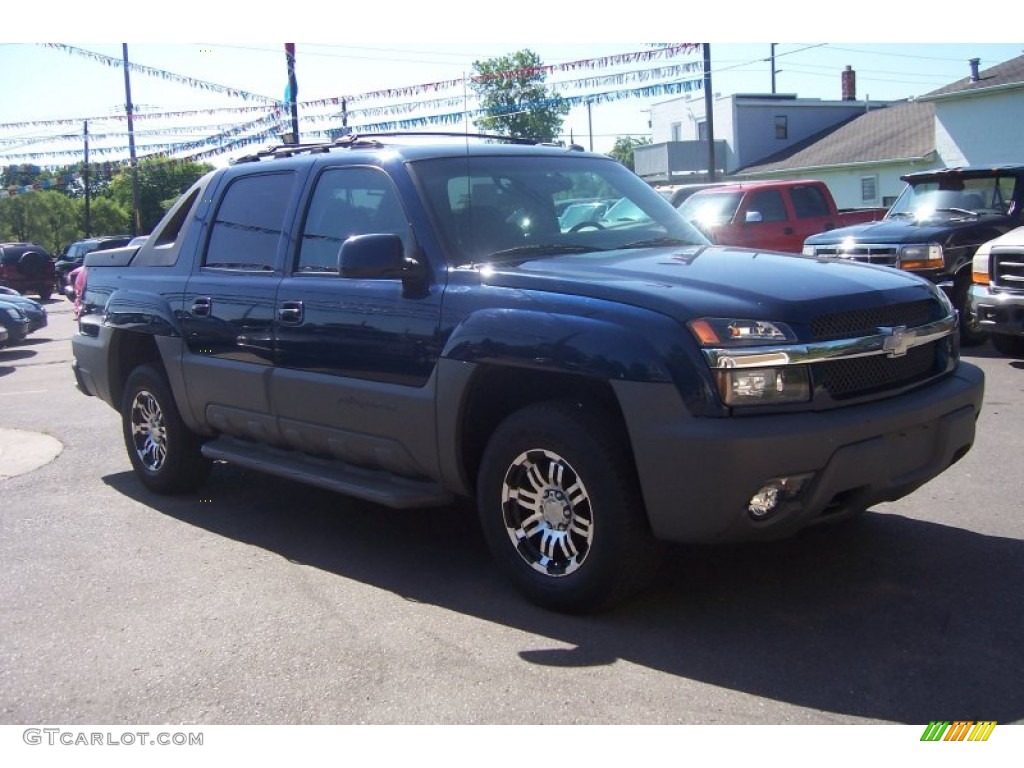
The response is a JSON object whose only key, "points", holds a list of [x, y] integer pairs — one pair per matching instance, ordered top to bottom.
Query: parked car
{"points": [[677, 194], [579, 214], [773, 215], [934, 229], [75, 254], [28, 268], [997, 294], [34, 311], [15, 321]]}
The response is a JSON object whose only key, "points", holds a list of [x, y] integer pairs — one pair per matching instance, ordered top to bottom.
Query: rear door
{"points": [[228, 304]]}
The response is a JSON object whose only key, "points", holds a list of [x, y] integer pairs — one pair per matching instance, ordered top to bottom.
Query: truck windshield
{"points": [[957, 197], [489, 205], [709, 208]]}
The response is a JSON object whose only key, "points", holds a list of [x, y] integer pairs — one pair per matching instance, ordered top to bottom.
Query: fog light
{"points": [[766, 501]]}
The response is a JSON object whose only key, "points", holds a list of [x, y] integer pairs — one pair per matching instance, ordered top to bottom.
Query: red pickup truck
{"points": [[775, 215]]}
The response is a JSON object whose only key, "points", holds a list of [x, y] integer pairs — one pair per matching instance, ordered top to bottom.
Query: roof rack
{"points": [[354, 140]]}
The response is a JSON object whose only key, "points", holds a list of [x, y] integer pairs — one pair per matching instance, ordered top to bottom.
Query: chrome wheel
{"points": [[149, 431], [547, 512]]}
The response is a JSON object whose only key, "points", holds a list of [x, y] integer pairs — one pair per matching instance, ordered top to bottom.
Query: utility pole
{"points": [[771, 60], [293, 90], [709, 111], [590, 126], [85, 175], [136, 220]]}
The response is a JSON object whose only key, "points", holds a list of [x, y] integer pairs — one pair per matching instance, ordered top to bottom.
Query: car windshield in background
{"points": [[955, 197], [491, 206], [711, 208]]}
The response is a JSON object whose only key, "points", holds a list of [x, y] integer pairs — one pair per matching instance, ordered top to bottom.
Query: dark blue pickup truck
{"points": [[407, 321]]}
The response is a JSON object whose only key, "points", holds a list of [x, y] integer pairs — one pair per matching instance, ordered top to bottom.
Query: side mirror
{"points": [[754, 217], [373, 257]]}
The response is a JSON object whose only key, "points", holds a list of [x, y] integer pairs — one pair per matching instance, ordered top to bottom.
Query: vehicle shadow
{"points": [[11, 355], [886, 618]]}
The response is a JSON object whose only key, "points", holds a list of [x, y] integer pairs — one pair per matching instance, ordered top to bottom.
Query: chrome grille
{"points": [[866, 252], [1008, 268], [865, 322]]}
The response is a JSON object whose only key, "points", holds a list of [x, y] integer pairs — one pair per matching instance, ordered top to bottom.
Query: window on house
{"points": [[781, 127], [702, 130], [677, 131], [868, 189]]}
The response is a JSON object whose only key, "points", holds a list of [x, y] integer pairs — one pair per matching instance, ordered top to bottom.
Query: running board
{"points": [[377, 486]]}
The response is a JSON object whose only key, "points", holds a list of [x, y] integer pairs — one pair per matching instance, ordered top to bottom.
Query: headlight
{"points": [[809, 250], [921, 256], [979, 267], [14, 313], [731, 332], [761, 378], [763, 386]]}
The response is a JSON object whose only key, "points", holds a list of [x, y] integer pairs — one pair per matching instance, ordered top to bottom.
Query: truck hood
{"points": [[902, 230], [693, 281]]}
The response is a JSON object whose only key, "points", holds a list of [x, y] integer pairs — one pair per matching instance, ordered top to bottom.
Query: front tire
{"points": [[164, 453], [561, 509]]}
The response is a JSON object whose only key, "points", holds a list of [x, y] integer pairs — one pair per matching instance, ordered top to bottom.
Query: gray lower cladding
{"points": [[998, 312], [699, 474]]}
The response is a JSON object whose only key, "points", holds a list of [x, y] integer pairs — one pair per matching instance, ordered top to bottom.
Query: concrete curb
{"points": [[22, 451]]}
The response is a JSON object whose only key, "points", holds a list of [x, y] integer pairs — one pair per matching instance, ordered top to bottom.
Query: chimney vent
{"points": [[974, 70], [849, 84]]}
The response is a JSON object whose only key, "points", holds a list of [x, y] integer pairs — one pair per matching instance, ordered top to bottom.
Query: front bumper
{"points": [[997, 312], [699, 474]]}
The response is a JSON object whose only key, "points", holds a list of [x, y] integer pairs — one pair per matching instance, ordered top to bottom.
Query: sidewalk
{"points": [[22, 451]]}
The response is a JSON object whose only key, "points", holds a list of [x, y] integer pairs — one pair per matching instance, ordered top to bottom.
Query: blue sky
{"points": [[46, 84]]}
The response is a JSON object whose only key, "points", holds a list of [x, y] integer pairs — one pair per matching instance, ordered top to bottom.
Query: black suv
{"points": [[75, 254], [27, 268]]}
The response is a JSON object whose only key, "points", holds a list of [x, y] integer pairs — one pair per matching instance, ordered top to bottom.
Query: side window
{"points": [[347, 202], [808, 202], [769, 204], [247, 229], [169, 233]]}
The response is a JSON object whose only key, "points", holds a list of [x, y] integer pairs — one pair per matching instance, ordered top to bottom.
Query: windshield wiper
{"points": [[962, 211], [654, 242], [546, 249]]}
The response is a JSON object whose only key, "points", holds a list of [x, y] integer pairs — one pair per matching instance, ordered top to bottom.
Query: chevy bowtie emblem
{"points": [[898, 340]]}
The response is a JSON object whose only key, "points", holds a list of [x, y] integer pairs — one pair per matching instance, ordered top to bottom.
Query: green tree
{"points": [[515, 99], [623, 149], [161, 182], [106, 215], [47, 218], [57, 222]]}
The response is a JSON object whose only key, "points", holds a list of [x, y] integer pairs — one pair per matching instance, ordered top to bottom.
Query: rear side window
{"points": [[808, 202], [247, 229]]}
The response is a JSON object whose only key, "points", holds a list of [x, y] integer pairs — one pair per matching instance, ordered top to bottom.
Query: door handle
{"points": [[201, 306], [291, 312]]}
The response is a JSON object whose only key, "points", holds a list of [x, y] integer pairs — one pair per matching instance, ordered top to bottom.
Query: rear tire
{"points": [[1011, 346], [164, 453], [561, 509]]}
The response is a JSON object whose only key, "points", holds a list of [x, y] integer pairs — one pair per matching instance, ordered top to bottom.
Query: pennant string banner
{"points": [[268, 127]]}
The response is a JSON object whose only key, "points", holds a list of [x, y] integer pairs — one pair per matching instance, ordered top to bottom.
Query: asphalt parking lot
{"points": [[260, 601]]}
